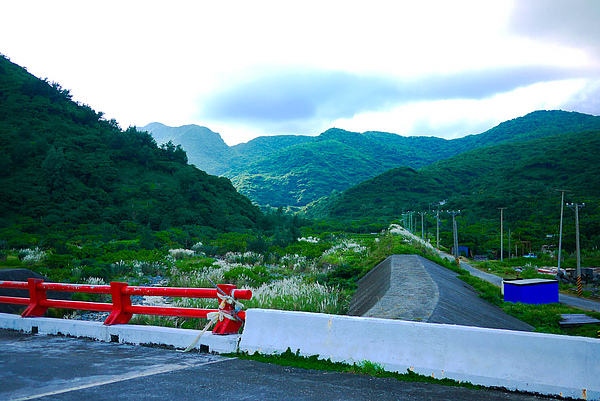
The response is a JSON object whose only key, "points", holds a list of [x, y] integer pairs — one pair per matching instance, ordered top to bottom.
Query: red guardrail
{"points": [[230, 318]]}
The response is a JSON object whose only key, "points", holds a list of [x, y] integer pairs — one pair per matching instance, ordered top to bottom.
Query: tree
{"points": [[55, 168]]}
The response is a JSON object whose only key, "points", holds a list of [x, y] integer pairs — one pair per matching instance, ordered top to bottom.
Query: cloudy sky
{"points": [[250, 68]]}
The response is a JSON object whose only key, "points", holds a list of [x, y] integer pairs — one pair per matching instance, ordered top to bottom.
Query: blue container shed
{"points": [[531, 291]]}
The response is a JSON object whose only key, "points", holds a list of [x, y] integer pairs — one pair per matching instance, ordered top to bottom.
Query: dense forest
{"points": [[290, 170], [66, 171], [521, 177]]}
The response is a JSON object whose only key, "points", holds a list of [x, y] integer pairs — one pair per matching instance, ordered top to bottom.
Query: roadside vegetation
{"points": [[314, 273], [289, 358]]}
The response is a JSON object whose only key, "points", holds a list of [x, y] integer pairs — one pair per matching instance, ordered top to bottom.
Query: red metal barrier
{"points": [[230, 318]]}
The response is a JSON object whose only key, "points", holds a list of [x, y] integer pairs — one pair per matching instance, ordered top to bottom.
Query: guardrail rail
{"points": [[229, 317]]}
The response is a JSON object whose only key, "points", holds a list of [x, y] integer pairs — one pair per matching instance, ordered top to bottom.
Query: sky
{"points": [[252, 68]]}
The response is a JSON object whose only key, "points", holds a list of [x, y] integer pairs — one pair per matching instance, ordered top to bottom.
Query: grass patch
{"points": [[11, 262], [289, 358]]}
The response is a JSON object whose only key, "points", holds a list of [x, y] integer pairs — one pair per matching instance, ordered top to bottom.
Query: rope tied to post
{"points": [[230, 299], [220, 315]]}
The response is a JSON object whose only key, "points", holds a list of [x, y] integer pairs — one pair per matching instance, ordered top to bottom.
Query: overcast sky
{"points": [[251, 68]]}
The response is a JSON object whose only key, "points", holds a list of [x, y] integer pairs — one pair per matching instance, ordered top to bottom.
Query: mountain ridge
{"points": [[266, 170], [523, 177]]}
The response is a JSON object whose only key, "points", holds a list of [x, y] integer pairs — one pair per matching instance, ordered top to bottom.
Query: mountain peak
{"points": [[163, 133], [205, 148]]}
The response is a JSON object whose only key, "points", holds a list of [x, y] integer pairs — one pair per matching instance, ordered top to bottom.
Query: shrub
{"points": [[182, 253], [31, 256], [54, 261], [248, 276], [344, 277], [294, 293]]}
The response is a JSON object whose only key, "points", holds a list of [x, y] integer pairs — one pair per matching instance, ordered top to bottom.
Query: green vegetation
{"points": [[299, 170], [68, 174], [521, 177], [81, 198], [84, 201], [289, 358]]}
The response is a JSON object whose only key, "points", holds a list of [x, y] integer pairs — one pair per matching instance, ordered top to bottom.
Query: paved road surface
{"points": [[582, 303], [58, 368]]}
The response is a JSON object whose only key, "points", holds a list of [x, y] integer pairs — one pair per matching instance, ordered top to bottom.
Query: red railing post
{"points": [[36, 295], [119, 301], [227, 326]]}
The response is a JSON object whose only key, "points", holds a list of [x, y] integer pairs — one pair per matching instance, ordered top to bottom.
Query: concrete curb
{"points": [[122, 333], [533, 362]]}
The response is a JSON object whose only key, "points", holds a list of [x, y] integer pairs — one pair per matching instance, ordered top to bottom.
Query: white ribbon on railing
{"points": [[220, 315]]}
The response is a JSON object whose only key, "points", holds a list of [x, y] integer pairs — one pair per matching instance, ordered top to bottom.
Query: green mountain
{"points": [[538, 124], [205, 149], [63, 167], [298, 170], [523, 177]]}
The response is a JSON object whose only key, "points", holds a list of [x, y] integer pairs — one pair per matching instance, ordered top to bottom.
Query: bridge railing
{"points": [[228, 316]]}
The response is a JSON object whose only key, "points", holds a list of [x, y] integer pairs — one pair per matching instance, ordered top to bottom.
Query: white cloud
{"points": [[145, 61], [460, 117]]}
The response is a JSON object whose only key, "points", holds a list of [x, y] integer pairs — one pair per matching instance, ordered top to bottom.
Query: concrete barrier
{"points": [[122, 333], [534, 362]]}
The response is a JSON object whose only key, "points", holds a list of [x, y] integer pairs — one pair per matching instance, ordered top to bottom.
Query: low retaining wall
{"points": [[371, 288], [122, 333], [533, 362]]}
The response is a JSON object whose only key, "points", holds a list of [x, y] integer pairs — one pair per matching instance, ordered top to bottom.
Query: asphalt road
{"points": [[59, 368]]}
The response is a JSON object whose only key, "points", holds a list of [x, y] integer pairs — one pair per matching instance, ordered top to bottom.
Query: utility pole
{"points": [[562, 206], [576, 207], [437, 218], [422, 226], [455, 233], [502, 234], [509, 244]]}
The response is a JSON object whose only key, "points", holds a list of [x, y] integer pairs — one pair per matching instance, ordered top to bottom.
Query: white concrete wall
{"points": [[127, 333], [544, 363]]}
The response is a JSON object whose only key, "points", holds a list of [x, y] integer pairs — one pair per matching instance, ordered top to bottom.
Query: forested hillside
{"points": [[205, 149], [297, 170], [66, 171], [523, 177]]}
